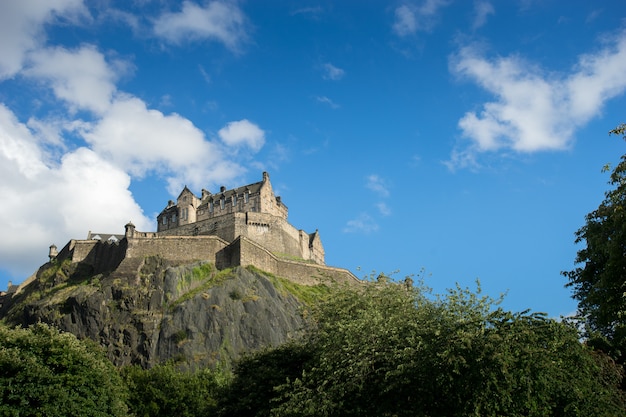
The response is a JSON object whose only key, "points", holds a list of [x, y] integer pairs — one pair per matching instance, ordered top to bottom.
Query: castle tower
{"points": [[130, 230]]}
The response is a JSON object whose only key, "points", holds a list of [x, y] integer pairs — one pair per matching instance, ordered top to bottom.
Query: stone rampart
{"points": [[177, 248], [251, 253], [107, 256]]}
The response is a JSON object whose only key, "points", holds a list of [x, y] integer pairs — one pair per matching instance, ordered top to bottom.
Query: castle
{"points": [[253, 211], [241, 226]]}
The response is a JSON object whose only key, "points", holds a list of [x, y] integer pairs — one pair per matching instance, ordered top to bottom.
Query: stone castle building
{"points": [[252, 211], [241, 226]]}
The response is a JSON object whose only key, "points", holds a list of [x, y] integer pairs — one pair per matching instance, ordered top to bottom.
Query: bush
{"points": [[44, 372]]}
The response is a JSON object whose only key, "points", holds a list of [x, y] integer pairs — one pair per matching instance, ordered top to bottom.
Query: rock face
{"points": [[155, 310]]}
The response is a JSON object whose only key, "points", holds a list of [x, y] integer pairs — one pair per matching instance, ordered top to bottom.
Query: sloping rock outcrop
{"points": [[151, 310]]}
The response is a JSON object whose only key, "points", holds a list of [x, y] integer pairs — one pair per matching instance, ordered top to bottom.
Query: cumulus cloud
{"points": [[410, 19], [219, 20], [21, 24], [331, 72], [81, 77], [534, 109], [242, 132], [138, 140], [47, 202]]}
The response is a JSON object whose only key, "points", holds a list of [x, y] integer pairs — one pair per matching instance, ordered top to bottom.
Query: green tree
{"points": [[599, 283], [389, 350], [44, 372], [166, 390], [252, 391]]}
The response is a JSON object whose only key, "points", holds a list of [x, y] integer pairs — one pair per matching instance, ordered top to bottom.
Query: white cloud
{"points": [[482, 9], [410, 18], [219, 20], [405, 22], [21, 28], [331, 72], [81, 77], [326, 100], [535, 109], [242, 132], [138, 140], [378, 185], [46, 202], [362, 224]]}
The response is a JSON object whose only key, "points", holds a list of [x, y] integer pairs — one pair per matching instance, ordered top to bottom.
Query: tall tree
{"points": [[599, 283]]}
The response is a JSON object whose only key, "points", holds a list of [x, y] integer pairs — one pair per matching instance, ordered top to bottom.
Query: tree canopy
{"points": [[599, 282], [391, 350], [44, 372], [167, 390]]}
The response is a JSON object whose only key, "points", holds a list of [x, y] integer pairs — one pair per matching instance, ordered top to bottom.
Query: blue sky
{"points": [[462, 138]]}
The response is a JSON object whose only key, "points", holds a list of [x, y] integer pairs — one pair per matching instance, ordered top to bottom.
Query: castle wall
{"points": [[221, 226], [274, 233], [177, 248], [81, 250], [251, 253], [102, 256], [106, 256]]}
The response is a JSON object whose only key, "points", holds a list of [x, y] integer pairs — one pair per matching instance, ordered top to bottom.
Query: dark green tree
{"points": [[599, 283], [44, 372], [166, 390], [252, 392]]}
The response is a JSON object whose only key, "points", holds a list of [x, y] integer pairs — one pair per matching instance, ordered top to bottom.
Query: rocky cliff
{"points": [[153, 310]]}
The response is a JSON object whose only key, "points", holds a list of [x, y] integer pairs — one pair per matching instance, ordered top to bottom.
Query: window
{"points": [[246, 197], [234, 200], [222, 203], [211, 206], [174, 218], [164, 220]]}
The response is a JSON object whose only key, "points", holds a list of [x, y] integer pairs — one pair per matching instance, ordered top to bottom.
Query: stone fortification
{"points": [[253, 211], [243, 226]]}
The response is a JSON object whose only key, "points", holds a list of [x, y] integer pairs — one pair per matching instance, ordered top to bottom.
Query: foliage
{"points": [[599, 283], [306, 294], [392, 350], [44, 372], [166, 390], [251, 392]]}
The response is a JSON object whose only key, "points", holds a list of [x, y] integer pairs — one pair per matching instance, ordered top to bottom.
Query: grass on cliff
{"points": [[200, 279], [307, 294]]}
